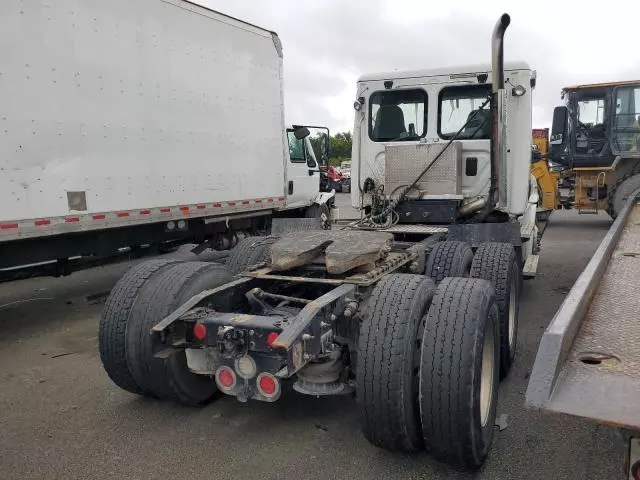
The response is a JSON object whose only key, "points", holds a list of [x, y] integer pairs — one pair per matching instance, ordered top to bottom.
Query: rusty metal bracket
{"points": [[194, 301], [305, 317]]}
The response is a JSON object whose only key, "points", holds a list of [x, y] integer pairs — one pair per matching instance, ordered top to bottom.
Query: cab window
{"points": [[458, 105], [397, 115], [591, 131], [626, 135], [296, 149]]}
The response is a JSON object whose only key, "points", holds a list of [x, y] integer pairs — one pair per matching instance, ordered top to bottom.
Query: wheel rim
{"points": [[512, 314], [486, 375]]}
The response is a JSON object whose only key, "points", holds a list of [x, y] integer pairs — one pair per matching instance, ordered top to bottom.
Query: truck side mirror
{"points": [[560, 127], [301, 133]]}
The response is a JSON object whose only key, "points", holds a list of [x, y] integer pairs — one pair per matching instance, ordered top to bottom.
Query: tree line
{"points": [[340, 147]]}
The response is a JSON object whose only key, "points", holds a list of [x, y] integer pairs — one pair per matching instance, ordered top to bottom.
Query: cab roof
{"points": [[462, 70], [600, 85]]}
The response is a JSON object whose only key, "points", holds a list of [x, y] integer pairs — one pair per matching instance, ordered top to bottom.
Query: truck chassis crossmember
{"points": [[277, 342]]}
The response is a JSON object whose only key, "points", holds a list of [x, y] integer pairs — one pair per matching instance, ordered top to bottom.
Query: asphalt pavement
{"points": [[62, 418]]}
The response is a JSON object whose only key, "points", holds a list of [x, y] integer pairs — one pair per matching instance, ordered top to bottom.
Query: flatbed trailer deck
{"points": [[588, 362]]}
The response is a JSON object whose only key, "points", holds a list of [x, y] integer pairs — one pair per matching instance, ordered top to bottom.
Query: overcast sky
{"points": [[329, 43]]}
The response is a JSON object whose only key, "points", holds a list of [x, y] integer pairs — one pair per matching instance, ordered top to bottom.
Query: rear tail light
{"points": [[199, 331], [271, 337], [225, 378], [268, 385]]}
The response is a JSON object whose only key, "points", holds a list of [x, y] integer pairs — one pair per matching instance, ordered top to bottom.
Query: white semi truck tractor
{"points": [[413, 307]]}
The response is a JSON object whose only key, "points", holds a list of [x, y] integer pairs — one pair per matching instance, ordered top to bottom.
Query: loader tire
{"points": [[621, 191], [248, 253], [449, 259], [498, 263], [115, 317], [388, 361], [459, 371], [170, 378]]}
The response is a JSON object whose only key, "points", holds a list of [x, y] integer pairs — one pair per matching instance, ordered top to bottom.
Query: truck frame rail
{"points": [[588, 362]]}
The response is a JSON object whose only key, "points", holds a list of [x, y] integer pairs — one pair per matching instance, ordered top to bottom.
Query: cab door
{"points": [[303, 174]]}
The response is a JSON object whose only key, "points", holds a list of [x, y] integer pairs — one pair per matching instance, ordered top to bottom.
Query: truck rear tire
{"points": [[317, 210], [249, 252], [449, 259], [498, 263], [115, 317], [388, 361], [459, 371], [169, 378]]}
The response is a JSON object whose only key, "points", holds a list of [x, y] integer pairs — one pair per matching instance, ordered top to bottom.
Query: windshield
{"points": [[458, 105], [397, 115], [626, 135]]}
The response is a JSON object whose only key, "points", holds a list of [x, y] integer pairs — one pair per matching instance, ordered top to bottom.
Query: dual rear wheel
{"points": [[146, 294], [432, 349]]}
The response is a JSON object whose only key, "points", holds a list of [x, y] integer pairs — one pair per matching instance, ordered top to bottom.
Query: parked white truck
{"points": [[134, 123], [414, 306]]}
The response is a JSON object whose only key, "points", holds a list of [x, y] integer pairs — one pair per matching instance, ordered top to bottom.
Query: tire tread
{"points": [[384, 348]]}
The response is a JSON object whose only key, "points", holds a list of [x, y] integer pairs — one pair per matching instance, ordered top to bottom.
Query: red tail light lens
{"points": [[199, 331], [271, 337], [225, 378], [268, 385]]}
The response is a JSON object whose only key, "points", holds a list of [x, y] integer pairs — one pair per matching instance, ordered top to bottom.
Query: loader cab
{"points": [[404, 119], [596, 123]]}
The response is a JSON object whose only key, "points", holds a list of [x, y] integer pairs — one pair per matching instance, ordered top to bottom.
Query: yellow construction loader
{"points": [[591, 161]]}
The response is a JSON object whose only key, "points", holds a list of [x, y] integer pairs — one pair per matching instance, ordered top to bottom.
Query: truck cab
{"points": [[404, 119], [303, 163]]}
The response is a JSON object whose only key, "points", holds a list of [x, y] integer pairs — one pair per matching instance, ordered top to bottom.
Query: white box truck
{"points": [[135, 123]]}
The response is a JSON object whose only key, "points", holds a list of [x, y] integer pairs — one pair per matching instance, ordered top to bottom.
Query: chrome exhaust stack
{"points": [[497, 188]]}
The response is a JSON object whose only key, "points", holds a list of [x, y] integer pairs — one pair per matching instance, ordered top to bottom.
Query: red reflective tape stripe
{"points": [[281, 199], [270, 200], [258, 201], [245, 202], [233, 204], [217, 205], [201, 207], [184, 209], [165, 210], [145, 212], [123, 214], [99, 216], [72, 219], [39, 223], [7, 226]]}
